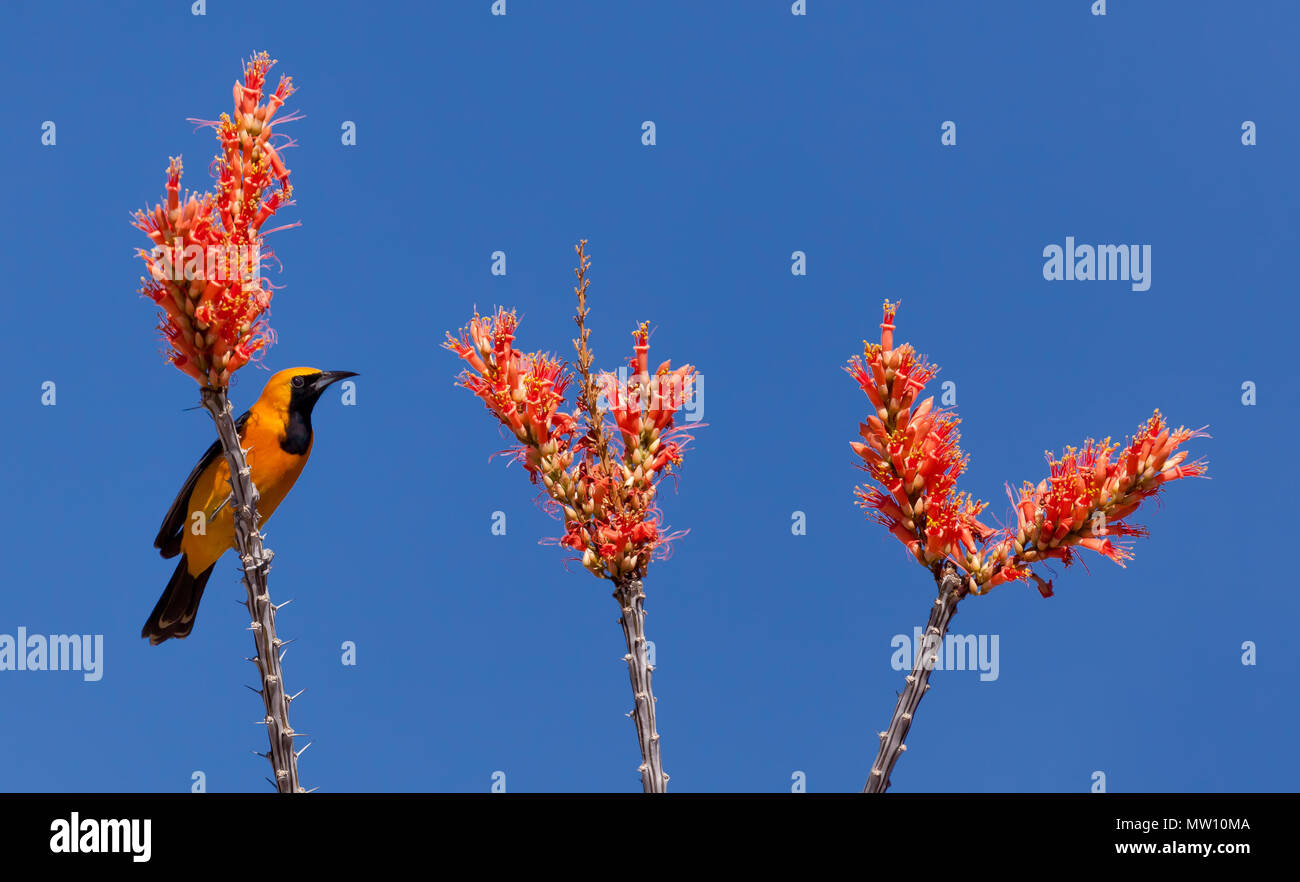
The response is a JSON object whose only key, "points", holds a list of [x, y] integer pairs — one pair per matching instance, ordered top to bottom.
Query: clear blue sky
{"points": [[480, 653]]}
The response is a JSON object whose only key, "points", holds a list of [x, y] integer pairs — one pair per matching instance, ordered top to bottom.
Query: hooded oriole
{"points": [[199, 526]]}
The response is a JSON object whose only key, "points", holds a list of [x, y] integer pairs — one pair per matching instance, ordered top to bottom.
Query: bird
{"points": [[276, 432]]}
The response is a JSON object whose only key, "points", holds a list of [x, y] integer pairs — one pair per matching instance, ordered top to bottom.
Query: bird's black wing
{"points": [[168, 541]]}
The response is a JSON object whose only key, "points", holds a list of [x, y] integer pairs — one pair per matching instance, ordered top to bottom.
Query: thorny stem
{"points": [[257, 563], [952, 588], [631, 600]]}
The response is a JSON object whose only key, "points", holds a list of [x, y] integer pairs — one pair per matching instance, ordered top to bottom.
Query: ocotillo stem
{"points": [[256, 562], [951, 589], [631, 600]]}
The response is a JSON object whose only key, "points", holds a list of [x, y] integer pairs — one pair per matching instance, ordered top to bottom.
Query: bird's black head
{"points": [[305, 388]]}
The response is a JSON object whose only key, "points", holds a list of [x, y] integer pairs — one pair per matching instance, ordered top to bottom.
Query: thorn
{"points": [[276, 606], [251, 689], [296, 694], [304, 749], [313, 790]]}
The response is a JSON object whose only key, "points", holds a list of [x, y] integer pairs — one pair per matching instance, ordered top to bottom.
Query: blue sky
{"points": [[774, 133]]}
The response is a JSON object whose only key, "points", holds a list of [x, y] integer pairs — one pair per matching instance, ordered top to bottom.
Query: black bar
{"points": [[188, 830]]}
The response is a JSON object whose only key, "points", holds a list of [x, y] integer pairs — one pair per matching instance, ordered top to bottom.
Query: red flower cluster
{"points": [[205, 266], [524, 390], [644, 407], [913, 452], [1089, 494], [605, 496]]}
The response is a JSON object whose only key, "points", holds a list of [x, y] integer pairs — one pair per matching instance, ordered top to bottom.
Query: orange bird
{"points": [[199, 526]]}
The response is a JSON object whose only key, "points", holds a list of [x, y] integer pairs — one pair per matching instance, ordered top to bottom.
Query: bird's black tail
{"points": [[174, 614]]}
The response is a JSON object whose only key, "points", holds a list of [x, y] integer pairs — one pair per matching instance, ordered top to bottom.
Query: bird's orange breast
{"points": [[210, 534]]}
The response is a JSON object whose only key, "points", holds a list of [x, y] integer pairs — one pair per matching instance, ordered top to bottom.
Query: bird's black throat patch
{"points": [[297, 434]]}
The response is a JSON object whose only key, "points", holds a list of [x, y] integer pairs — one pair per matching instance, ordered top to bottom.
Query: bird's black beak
{"points": [[325, 379]]}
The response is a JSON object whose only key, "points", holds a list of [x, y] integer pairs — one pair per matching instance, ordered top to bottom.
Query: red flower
{"points": [[205, 266], [523, 390], [913, 454], [1090, 492], [607, 504]]}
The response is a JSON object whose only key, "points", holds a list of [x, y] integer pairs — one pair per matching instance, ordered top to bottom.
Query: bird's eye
{"points": [[298, 381]]}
